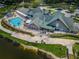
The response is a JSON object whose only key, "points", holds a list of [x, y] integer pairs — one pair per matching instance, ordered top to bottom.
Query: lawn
{"points": [[64, 6], [65, 36], [76, 46], [57, 49], [76, 50], [71, 56]]}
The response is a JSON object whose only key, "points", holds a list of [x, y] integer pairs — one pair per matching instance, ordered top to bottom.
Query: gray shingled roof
{"points": [[23, 10], [42, 18], [68, 22]]}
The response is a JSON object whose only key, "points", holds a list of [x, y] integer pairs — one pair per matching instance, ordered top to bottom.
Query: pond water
{"points": [[9, 51]]}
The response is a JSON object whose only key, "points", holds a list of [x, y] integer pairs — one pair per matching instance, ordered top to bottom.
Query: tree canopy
{"points": [[38, 1]]}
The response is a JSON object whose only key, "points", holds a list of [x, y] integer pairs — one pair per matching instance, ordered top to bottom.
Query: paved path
{"points": [[2, 28], [65, 42]]}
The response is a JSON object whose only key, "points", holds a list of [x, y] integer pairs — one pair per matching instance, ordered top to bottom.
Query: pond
{"points": [[9, 51]]}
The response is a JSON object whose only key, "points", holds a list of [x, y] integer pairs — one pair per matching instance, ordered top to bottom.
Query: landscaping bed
{"points": [[65, 36], [76, 50]]}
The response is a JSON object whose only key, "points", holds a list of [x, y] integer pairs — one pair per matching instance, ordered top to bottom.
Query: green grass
{"points": [[63, 5], [7, 35], [65, 36], [76, 47], [57, 49], [76, 50], [71, 56]]}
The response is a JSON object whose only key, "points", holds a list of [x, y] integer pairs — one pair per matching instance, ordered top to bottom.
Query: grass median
{"points": [[65, 36]]}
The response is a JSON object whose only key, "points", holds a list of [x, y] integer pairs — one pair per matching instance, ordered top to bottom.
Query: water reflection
{"points": [[13, 50]]}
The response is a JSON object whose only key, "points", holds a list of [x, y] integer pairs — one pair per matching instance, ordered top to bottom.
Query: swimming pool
{"points": [[16, 22]]}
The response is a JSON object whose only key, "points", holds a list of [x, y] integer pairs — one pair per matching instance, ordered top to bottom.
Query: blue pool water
{"points": [[16, 22]]}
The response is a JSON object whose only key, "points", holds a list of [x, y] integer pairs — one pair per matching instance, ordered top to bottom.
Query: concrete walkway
{"points": [[2, 28], [65, 42]]}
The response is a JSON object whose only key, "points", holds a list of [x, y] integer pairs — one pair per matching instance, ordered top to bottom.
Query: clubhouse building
{"points": [[38, 18]]}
